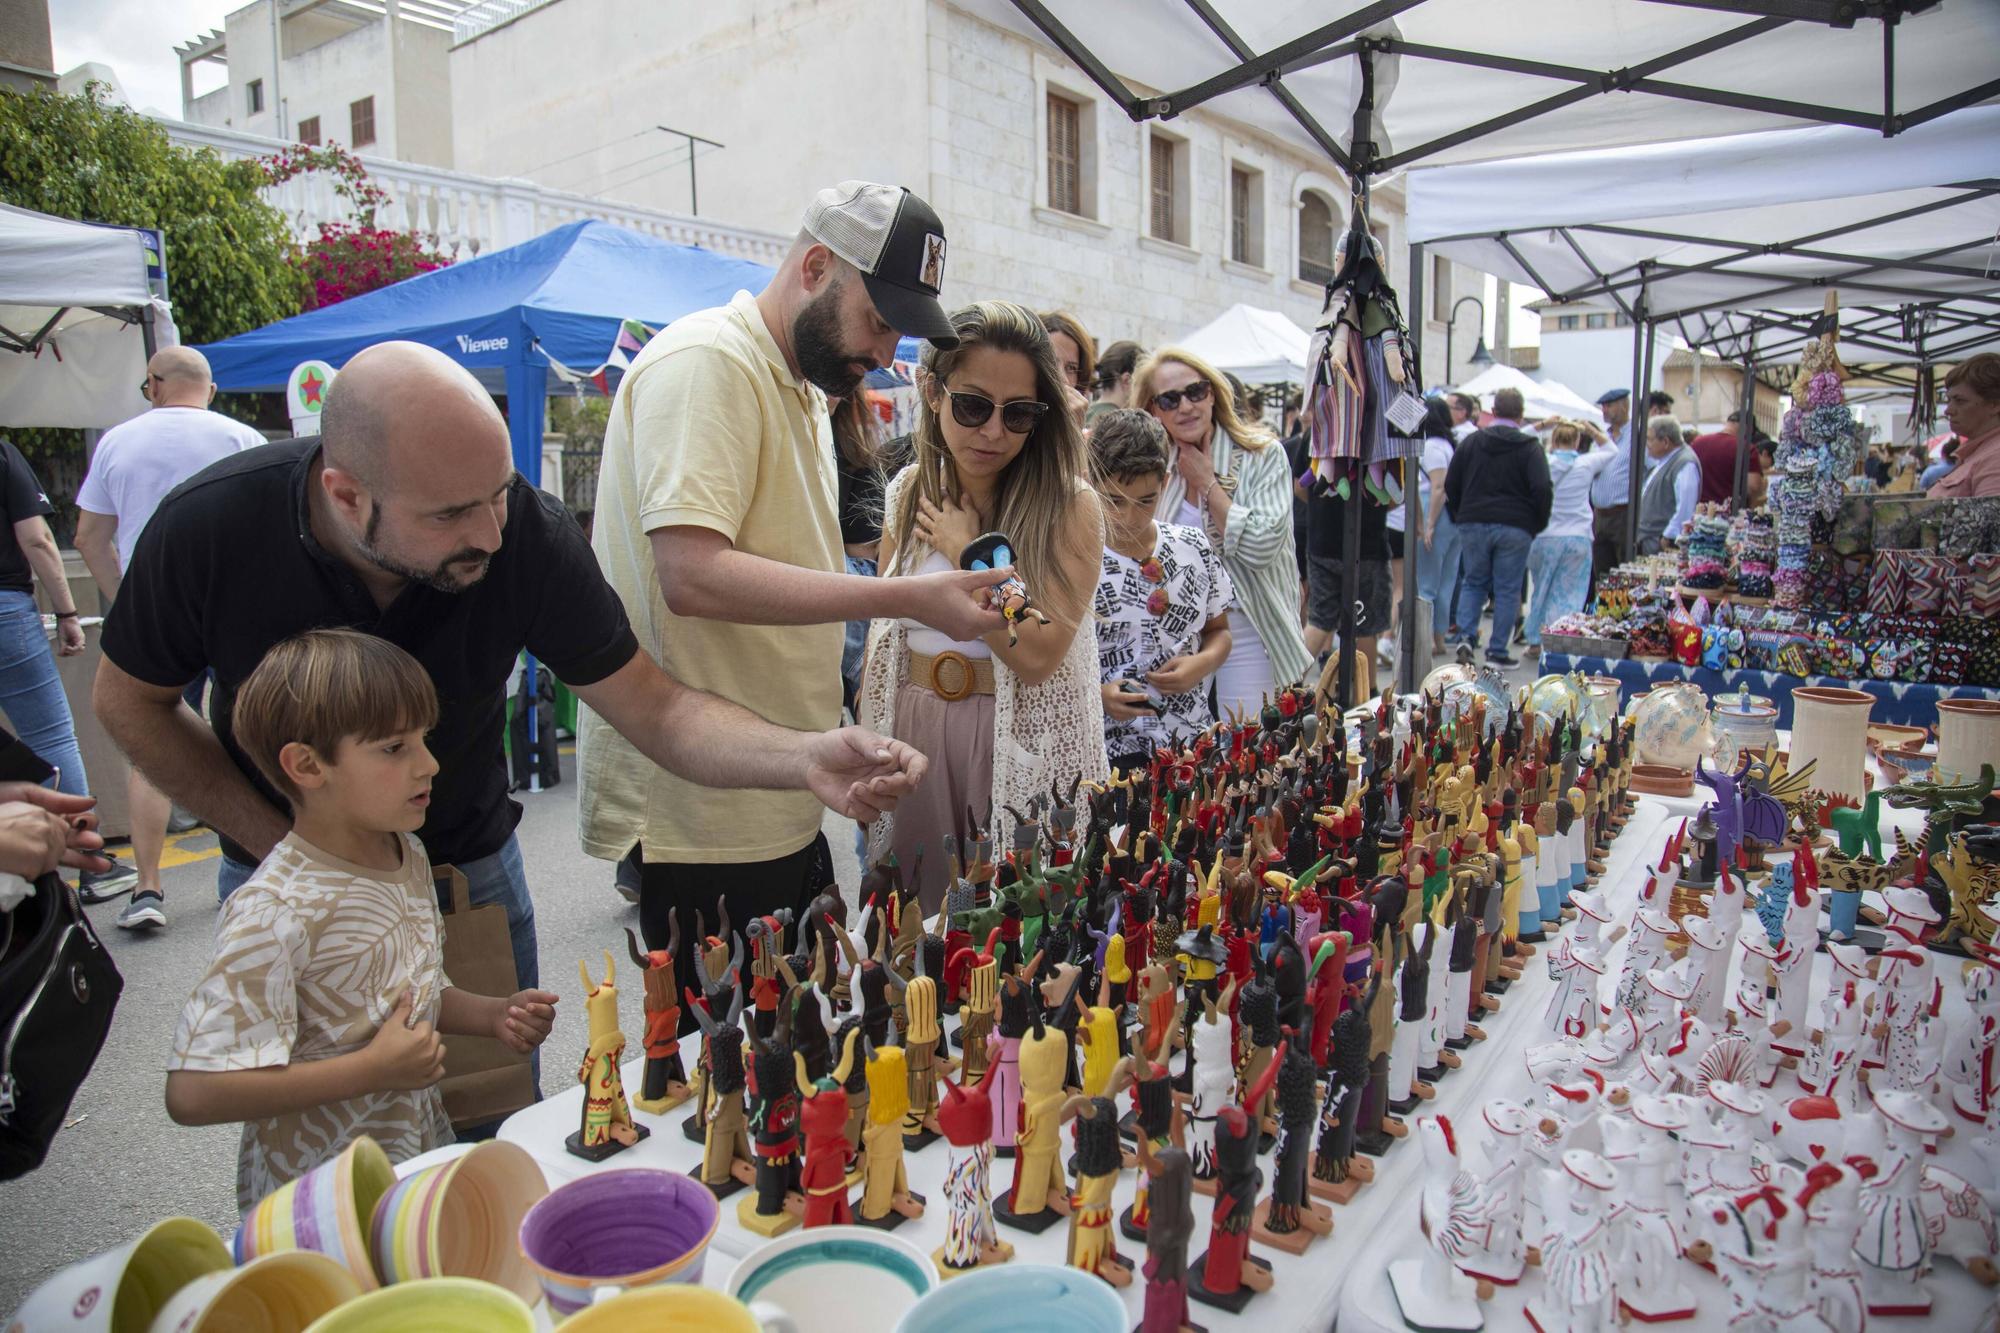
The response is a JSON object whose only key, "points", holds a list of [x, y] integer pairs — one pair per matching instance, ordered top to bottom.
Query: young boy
{"points": [[1162, 599], [319, 1017]]}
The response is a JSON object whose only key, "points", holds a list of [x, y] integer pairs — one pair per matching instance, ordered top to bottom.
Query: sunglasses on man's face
{"points": [[1171, 400], [973, 410]]}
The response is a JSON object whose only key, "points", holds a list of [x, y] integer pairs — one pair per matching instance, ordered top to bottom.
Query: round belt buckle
{"points": [[963, 665]]}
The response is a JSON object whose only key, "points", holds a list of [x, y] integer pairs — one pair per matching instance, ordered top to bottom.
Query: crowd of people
{"points": [[1150, 557]]}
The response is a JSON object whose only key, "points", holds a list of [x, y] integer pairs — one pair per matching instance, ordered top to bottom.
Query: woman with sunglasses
{"points": [[995, 451], [1228, 478]]}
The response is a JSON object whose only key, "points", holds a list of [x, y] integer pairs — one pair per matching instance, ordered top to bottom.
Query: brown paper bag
{"points": [[484, 1080]]}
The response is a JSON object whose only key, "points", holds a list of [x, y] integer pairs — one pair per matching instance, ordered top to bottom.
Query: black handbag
{"points": [[58, 988]]}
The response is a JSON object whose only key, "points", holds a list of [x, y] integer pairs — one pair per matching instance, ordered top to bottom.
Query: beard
{"points": [[826, 365], [441, 576]]}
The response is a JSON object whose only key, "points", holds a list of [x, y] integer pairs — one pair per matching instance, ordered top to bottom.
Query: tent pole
{"points": [[148, 334], [527, 408], [1635, 419], [1746, 423], [1639, 435], [1406, 634]]}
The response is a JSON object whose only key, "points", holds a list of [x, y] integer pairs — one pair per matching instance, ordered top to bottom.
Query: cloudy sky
{"points": [[137, 39]]}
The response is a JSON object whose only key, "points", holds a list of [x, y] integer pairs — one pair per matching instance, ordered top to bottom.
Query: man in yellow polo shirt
{"points": [[716, 523]]}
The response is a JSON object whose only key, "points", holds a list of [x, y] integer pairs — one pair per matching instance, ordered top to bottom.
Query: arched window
{"points": [[1315, 238]]}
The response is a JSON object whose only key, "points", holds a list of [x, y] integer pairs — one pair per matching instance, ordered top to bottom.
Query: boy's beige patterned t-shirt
{"points": [[311, 956]]}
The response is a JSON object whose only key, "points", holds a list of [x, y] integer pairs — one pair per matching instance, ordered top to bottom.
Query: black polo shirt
{"points": [[228, 567]]}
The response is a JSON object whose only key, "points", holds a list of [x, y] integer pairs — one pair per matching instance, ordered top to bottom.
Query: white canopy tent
{"points": [[1382, 85], [79, 319], [1257, 346], [1542, 398]]}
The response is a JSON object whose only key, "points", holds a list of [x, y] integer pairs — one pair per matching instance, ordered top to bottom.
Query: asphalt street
{"points": [[121, 1164]]}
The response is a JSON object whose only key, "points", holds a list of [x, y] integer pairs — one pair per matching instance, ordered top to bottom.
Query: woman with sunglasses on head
{"points": [[996, 450], [1229, 478]]}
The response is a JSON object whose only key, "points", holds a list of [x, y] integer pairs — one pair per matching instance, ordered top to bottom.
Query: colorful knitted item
{"points": [[1705, 553]]}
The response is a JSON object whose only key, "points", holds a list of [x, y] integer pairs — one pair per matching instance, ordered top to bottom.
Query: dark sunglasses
{"points": [[1171, 399], [973, 410]]}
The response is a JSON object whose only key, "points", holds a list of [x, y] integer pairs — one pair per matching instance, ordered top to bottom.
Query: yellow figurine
{"points": [[920, 1038], [607, 1125], [885, 1194], [1039, 1195]]}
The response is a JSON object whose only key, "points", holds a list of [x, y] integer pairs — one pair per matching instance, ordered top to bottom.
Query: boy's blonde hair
{"points": [[324, 687]]}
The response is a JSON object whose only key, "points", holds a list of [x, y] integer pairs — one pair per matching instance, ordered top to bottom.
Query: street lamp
{"points": [[1480, 357]]}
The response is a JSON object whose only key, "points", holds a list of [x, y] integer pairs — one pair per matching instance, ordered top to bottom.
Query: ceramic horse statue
{"points": [[1860, 828]]}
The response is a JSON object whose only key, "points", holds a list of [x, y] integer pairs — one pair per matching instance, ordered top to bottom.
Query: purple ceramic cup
{"points": [[617, 1230]]}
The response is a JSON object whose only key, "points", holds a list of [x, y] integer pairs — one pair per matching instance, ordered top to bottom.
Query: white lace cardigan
{"points": [[1042, 734]]}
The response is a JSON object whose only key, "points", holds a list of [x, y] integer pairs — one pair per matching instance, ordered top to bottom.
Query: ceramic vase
{"points": [[1603, 711], [1742, 722], [1670, 725], [1830, 726], [1968, 735]]}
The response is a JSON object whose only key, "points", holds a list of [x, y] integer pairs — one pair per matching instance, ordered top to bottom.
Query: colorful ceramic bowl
{"points": [[327, 1209], [461, 1219], [616, 1230], [879, 1277], [123, 1290], [279, 1293], [1041, 1297], [435, 1305], [690, 1310]]}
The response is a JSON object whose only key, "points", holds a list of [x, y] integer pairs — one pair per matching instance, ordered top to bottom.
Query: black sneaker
{"points": [[1502, 659], [94, 886], [143, 912]]}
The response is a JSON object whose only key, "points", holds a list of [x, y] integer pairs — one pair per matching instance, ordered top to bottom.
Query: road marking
{"points": [[177, 853]]}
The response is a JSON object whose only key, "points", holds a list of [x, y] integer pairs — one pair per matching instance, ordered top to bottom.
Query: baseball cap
{"points": [[897, 242], [1612, 396]]}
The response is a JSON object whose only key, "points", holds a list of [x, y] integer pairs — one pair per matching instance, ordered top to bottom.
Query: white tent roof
{"points": [[1469, 80], [1259, 346], [70, 351], [1542, 398]]}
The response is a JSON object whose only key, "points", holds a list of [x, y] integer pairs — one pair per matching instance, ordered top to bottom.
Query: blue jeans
{"points": [[1494, 557], [1560, 569], [1437, 571], [31, 693]]}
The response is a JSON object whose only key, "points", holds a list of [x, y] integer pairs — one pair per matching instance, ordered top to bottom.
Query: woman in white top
{"points": [[995, 451], [1229, 478], [1437, 546], [1559, 561]]}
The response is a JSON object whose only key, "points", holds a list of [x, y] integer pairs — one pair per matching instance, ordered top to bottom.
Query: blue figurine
{"points": [[1010, 598], [1775, 902]]}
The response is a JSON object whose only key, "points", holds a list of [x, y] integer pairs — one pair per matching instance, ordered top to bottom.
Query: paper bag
{"points": [[484, 1081]]}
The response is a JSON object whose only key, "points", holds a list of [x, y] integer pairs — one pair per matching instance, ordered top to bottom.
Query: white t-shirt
{"points": [[1437, 458], [139, 461], [1572, 475], [1191, 589]]}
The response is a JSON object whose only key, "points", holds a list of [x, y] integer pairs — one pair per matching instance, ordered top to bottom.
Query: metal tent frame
{"points": [[1368, 32]]}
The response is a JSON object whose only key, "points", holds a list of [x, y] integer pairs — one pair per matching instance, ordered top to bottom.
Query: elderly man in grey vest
{"points": [[1673, 484]]}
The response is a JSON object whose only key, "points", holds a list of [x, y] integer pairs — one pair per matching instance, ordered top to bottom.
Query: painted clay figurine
{"points": [[994, 550], [665, 1085], [823, 1122], [607, 1125], [885, 1194], [1454, 1214], [1172, 1227], [970, 1240], [1093, 1242], [1228, 1275]]}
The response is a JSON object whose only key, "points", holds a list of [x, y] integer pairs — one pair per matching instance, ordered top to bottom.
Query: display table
{"points": [[1896, 702], [1341, 1278]]}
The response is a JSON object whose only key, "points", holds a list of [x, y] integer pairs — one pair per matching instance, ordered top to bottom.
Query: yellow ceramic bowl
{"points": [[434, 1305], [677, 1310]]}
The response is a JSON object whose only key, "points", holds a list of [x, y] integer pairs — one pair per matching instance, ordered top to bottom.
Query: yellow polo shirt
{"points": [[710, 429]]}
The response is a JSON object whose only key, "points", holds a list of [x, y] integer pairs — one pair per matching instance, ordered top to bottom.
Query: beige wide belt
{"points": [[951, 676]]}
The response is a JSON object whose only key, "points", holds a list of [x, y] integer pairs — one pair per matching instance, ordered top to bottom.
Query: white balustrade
{"points": [[465, 215]]}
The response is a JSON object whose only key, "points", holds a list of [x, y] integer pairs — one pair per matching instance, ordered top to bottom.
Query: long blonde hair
{"points": [[1251, 435], [1037, 489]]}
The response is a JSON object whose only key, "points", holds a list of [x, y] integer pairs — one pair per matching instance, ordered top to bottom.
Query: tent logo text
{"points": [[468, 346]]}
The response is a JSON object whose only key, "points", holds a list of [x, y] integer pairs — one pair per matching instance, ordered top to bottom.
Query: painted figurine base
{"points": [[677, 1094], [693, 1131], [919, 1141], [609, 1148], [723, 1191], [1341, 1192], [892, 1219], [1315, 1221], [1033, 1223], [767, 1225], [1133, 1232], [999, 1252], [1257, 1279], [1426, 1310]]}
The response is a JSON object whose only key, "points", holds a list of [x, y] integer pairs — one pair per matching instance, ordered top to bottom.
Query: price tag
{"points": [[1406, 413]]}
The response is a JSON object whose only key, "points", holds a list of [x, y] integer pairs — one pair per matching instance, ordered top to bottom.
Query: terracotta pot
{"points": [[1830, 726], [1968, 732]]}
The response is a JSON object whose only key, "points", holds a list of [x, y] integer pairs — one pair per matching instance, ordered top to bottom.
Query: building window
{"points": [[255, 91], [361, 122], [309, 130], [1065, 155], [1167, 188], [1246, 215], [1315, 238], [1441, 292], [1621, 320], [1566, 321], [1597, 321]]}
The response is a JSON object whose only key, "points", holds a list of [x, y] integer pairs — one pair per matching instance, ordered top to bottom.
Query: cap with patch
{"points": [[897, 242]]}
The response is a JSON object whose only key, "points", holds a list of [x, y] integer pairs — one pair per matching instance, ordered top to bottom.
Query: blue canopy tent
{"points": [[506, 316]]}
